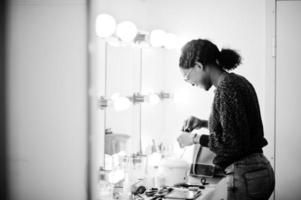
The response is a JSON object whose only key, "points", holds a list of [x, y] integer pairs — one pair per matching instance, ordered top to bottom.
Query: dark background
{"points": [[3, 166]]}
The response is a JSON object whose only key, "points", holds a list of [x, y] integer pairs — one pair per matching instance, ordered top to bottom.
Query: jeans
{"points": [[250, 178]]}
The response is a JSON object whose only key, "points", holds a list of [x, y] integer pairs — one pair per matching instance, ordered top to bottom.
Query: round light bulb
{"points": [[105, 25], [126, 31], [157, 38], [170, 41], [115, 96], [154, 99], [120, 103], [154, 159], [116, 176]]}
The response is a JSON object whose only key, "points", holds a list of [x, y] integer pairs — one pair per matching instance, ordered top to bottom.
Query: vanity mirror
{"points": [[139, 99]]}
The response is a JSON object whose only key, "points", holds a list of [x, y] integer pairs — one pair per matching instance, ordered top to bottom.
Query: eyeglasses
{"points": [[186, 76]]}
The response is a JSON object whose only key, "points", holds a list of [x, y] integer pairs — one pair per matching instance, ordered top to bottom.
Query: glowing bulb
{"points": [[105, 25], [126, 31], [157, 38], [113, 41], [170, 41], [115, 96], [154, 99], [120, 103], [154, 159], [116, 176]]}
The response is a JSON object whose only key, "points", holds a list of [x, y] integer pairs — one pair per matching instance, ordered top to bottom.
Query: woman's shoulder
{"points": [[232, 81], [232, 84]]}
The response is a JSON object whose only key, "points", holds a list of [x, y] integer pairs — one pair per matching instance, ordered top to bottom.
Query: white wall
{"points": [[288, 98], [47, 114]]}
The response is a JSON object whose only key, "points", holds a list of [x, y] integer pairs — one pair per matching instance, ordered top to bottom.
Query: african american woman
{"points": [[235, 125]]}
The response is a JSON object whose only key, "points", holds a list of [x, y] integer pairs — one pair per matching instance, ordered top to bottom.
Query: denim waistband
{"points": [[230, 167]]}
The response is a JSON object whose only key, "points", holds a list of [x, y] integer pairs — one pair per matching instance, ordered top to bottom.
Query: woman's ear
{"points": [[199, 65]]}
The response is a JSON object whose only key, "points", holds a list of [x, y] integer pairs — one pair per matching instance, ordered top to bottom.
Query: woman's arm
{"points": [[231, 115]]}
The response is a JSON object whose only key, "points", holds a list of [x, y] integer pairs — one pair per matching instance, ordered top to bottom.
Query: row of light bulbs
{"points": [[127, 32], [123, 102]]}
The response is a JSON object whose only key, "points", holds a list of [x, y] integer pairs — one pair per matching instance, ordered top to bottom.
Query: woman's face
{"points": [[197, 76]]}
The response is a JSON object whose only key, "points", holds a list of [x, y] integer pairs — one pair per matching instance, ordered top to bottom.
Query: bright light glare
{"points": [[105, 25], [126, 31], [157, 38], [171, 41], [153, 99], [120, 103], [154, 159], [115, 176]]}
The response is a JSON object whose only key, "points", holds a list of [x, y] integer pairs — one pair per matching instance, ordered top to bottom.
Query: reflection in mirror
{"points": [[137, 78], [142, 99], [134, 113], [122, 118]]}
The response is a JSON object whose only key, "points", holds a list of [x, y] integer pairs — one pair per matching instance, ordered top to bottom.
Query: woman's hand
{"points": [[193, 123]]}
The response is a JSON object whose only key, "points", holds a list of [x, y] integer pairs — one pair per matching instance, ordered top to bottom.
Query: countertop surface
{"points": [[210, 189], [214, 190]]}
